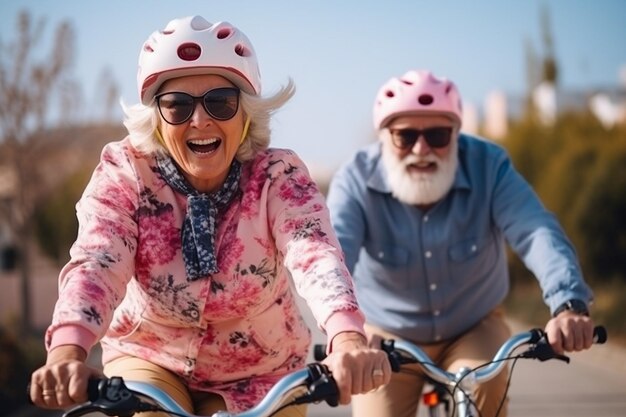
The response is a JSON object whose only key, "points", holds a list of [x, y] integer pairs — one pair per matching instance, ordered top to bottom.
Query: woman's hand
{"points": [[356, 368], [62, 381]]}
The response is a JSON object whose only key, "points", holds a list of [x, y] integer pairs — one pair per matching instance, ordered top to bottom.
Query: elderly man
{"points": [[424, 216]]}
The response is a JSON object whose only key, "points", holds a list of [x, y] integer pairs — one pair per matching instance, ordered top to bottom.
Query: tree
{"points": [[549, 69], [28, 85], [110, 94]]}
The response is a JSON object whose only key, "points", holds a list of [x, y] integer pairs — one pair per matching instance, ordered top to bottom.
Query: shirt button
{"points": [[425, 219], [474, 248], [428, 254], [381, 255], [433, 287], [436, 313], [437, 337]]}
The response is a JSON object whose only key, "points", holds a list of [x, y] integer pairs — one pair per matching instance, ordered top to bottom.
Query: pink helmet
{"points": [[190, 46], [416, 92]]}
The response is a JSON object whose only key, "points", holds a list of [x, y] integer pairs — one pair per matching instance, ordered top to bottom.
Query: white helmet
{"points": [[191, 46], [416, 92]]}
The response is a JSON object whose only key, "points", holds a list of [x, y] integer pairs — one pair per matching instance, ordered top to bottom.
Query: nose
{"points": [[200, 117], [421, 147]]}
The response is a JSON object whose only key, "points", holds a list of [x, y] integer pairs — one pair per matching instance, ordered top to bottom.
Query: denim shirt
{"points": [[430, 276]]}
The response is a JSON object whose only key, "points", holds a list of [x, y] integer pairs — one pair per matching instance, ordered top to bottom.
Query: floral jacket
{"points": [[234, 332]]}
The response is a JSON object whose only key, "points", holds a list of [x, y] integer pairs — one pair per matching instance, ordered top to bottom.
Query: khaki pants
{"points": [[401, 397], [200, 403]]}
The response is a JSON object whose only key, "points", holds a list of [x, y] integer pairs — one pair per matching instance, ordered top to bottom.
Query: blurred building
{"points": [[608, 104], [470, 118], [496, 121]]}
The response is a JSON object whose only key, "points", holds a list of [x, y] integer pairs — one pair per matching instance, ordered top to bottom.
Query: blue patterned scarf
{"points": [[198, 231]]}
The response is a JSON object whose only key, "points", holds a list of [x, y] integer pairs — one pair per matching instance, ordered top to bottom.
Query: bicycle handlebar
{"points": [[403, 352], [116, 397]]}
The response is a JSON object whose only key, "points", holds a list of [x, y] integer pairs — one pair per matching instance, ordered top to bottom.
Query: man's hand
{"points": [[570, 332]]}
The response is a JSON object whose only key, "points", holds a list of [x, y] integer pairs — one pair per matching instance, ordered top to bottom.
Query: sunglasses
{"points": [[177, 107], [435, 137]]}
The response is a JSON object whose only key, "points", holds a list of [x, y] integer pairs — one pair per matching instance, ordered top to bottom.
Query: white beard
{"points": [[420, 188]]}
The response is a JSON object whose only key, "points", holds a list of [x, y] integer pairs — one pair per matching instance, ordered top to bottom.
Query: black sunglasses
{"points": [[177, 107], [436, 137]]}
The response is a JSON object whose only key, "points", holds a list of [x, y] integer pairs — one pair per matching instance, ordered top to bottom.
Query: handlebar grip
{"points": [[599, 334], [319, 352], [94, 387], [30, 400]]}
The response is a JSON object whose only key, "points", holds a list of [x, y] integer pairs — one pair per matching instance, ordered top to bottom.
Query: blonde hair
{"points": [[141, 122]]}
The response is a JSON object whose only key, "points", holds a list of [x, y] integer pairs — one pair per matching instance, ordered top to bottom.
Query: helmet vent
{"points": [[224, 33], [241, 50], [189, 51], [407, 82], [389, 94], [425, 99]]}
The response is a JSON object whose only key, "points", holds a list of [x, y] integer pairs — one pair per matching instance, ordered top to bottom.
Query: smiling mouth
{"points": [[204, 146], [424, 166]]}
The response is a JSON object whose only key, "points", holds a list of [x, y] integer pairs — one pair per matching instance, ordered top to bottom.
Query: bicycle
{"points": [[456, 389], [118, 397]]}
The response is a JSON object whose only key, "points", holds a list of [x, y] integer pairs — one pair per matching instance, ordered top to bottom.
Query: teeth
{"points": [[202, 142]]}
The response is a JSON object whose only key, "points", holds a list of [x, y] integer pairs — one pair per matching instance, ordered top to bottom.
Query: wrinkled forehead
{"points": [[422, 121]]}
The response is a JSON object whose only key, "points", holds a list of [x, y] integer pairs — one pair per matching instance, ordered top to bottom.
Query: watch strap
{"points": [[575, 306]]}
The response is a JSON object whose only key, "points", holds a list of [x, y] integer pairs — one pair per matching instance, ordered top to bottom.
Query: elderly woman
{"points": [[190, 230]]}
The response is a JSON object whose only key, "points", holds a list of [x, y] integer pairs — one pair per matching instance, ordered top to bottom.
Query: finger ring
{"points": [[378, 372], [48, 392]]}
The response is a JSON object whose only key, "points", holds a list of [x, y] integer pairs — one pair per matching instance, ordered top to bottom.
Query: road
{"points": [[592, 384]]}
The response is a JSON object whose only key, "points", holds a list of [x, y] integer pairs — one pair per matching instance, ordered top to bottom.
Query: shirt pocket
{"points": [[472, 257], [385, 266]]}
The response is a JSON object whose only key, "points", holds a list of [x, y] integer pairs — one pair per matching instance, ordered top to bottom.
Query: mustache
{"points": [[414, 159]]}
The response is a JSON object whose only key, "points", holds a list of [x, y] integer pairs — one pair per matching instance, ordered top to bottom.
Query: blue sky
{"points": [[340, 52]]}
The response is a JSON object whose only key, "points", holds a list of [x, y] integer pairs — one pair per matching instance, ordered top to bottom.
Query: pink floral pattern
{"points": [[234, 333]]}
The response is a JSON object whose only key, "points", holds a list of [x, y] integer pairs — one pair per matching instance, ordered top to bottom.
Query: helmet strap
{"points": [[245, 130], [159, 137]]}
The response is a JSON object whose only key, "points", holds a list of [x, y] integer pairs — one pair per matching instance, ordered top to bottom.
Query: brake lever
{"points": [[544, 352], [395, 359], [322, 386], [112, 398]]}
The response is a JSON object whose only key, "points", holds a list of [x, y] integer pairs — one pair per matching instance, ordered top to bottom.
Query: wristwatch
{"points": [[576, 306]]}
